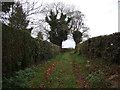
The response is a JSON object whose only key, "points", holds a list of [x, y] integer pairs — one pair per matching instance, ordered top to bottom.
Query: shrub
{"points": [[106, 47], [20, 50], [20, 79]]}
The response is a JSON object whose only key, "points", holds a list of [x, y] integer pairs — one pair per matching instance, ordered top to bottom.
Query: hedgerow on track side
{"points": [[106, 47], [20, 50]]}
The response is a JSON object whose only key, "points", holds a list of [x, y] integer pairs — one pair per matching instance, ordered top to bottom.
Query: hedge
{"points": [[106, 47], [20, 50]]}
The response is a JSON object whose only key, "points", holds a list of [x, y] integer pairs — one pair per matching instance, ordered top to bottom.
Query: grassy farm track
{"points": [[67, 70], [60, 73]]}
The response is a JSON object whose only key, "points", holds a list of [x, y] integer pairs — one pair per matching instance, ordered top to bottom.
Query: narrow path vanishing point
{"points": [[64, 73]]}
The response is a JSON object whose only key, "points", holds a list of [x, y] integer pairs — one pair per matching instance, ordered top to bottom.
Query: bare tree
{"points": [[29, 8], [57, 8], [5, 11], [77, 22], [77, 25]]}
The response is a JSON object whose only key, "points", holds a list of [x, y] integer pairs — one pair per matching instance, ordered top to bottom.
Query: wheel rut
{"points": [[47, 74], [81, 80]]}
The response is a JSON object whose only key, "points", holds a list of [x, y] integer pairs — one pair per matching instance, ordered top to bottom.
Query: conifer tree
{"points": [[18, 18]]}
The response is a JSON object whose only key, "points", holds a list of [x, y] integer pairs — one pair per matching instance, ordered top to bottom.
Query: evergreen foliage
{"points": [[6, 6], [18, 18], [59, 28], [40, 36], [77, 36], [106, 47], [20, 50]]}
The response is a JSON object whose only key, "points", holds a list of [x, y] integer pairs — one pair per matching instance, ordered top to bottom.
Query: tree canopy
{"points": [[6, 6], [18, 18], [64, 21], [59, 27], [77, 36]]}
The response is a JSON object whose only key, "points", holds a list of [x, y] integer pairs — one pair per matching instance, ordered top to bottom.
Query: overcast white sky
{"points": [[101, 16]]}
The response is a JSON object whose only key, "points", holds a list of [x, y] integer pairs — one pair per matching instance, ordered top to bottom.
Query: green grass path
{"points": [[66, 70], [61, 76]]}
